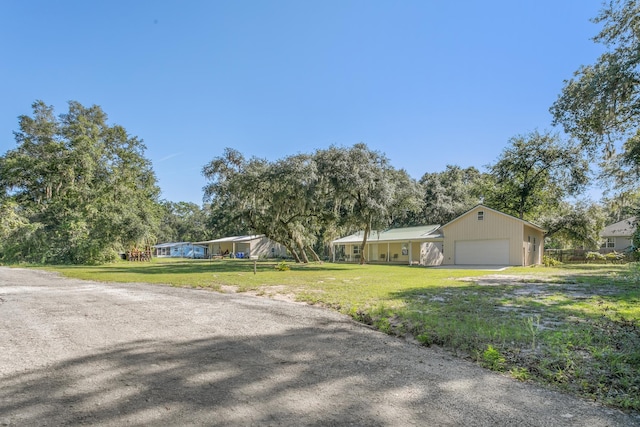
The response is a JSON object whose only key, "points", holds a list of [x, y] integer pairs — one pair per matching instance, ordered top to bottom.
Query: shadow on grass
{"points": [[205, 266]]}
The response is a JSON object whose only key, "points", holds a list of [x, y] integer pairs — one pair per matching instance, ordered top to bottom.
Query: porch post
{"points": [[388, 249], [410, 255]]}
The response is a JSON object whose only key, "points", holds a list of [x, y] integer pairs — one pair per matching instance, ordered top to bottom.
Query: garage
{"points": [[485, 236], [482, 252]]}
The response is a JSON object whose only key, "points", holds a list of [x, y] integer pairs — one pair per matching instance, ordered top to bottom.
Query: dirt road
{"points": [[75, 352]]}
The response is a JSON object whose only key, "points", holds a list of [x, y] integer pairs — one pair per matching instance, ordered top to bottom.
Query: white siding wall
{"points": [[622, 243], [263, 246]]}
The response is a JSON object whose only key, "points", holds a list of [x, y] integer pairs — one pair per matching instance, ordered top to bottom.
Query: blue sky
{"points": [[428, 83]]}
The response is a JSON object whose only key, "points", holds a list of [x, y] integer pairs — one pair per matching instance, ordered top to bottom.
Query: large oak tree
{"points": [[600, 105], [536, 171], [77, 189], [306, 200]]}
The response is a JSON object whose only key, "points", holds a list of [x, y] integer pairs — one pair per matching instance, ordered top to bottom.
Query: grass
{"points": [[574, 327]]}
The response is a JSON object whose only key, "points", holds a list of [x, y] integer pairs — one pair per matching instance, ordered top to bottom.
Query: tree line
{"points": [[78, 190]]}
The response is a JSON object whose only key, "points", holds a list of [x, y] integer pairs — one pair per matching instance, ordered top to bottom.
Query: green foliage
{"points": [[600, 105], [536, 171], [78, 190], [366, 192], [447, 195], [282, 199], [305, 200], [622, 205], [183, 222], [575, 225], [636, 242], [595, 257], [611, 257], [615, 257], [550, 262], [283, 266], [634, 272], [383, 324], [532, 324], [424, 339], [492, 359], [520, 374]]}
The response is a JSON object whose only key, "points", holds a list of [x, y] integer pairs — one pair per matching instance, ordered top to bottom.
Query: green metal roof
{"points": [[423, 232]]}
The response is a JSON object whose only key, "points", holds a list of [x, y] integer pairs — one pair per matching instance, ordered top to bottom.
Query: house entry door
{"points": [[373, 252]]}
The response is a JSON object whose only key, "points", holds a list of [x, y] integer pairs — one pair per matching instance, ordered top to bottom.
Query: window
{"points": [[480, 215], [609, 243], [534, 244], [356, 250]]}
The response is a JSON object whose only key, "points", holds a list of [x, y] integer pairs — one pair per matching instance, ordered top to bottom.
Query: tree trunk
{"points": [[523, 201], [367, 229], [293, 253], [304, 254], [315, 255]]}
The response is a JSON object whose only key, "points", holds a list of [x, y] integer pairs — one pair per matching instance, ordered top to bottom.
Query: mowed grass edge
{"points": [[576, 328]]}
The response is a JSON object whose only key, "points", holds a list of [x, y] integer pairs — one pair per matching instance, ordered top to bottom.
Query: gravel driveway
{"points": [[75, 352]]}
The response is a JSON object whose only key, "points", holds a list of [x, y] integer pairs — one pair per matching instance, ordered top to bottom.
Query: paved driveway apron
{"points": [[75, 352]]}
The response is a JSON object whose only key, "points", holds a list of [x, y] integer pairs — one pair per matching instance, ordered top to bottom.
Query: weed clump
{"points": [[550, 262], [282, 266], [493, 359]]}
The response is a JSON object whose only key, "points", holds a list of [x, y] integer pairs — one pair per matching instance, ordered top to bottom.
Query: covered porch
{"points": [[410, 246], [232, 247]]}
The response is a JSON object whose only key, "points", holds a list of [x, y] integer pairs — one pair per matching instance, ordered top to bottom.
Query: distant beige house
{"points": [[480, 236], [618, 236], [244, 247]]}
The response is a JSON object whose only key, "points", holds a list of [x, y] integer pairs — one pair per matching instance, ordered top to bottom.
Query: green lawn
{"points": [[573, 327]]}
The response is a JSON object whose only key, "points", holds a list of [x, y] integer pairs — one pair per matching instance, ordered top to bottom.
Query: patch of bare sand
{"points": [[509, 280], [525, 285], [277, 292]]}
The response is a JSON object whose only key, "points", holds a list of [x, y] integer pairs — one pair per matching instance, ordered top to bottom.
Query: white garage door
{"points": [[482, 252]]}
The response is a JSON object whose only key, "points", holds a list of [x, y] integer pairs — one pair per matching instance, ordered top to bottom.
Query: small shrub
{"points": [[595, 257], [614, 257], [550, 262], [283, 266], [424, 339], [492, 359], [520, 374]]}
